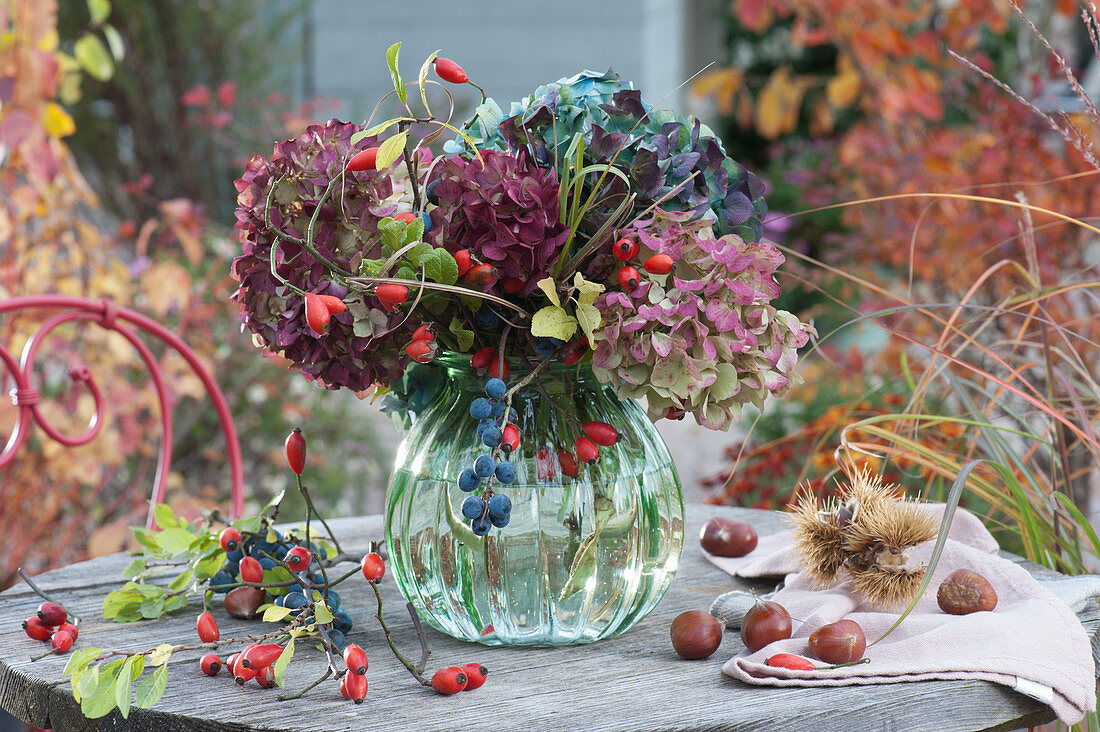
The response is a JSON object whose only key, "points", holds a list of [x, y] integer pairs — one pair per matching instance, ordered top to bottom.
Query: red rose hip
{"points": [[373, 566], [52, 614], [207, 627], [210, 664], [475, 675], [449, 680]]}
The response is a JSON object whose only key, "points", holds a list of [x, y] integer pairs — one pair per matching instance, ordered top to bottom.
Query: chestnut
{"points": [[724, 538], [964, 592], [244, 602], [764, 623], [696, 634], [839, 642]]}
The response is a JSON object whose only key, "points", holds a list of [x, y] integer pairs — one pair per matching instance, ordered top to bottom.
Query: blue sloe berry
{"points": [[495, 388], [481, 408], [498, 409], [492, 436], [484, 466], [506, 472], [468, 480], [473, 507], [500, 507], [481, 526]]}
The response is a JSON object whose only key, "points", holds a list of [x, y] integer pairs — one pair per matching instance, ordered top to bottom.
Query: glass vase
{"points": [[583, 557]]}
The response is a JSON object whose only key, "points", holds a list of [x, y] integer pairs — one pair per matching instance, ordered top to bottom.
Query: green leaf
{"points": [[99, 10], [114, 41], [93, 57], [423, 75], [398, 83], [376, 130], [390, 150], [414, 231], [421, 253], [442, 268], [404, 272], [547, 285], [588, 316], [553, 322], [465, 337], [274, 502], [162, 514], [250, 524], [146, 539], [175, 540], [208, 566], [136, 567], [182, 581], [120, 601], [175, 603], [152, 608], [275, 613], [322, 613], [160, 655], [80, 661], [282, 662], [137, 667], [84, 682], [123, 687], [151, 688], [99, 702]]}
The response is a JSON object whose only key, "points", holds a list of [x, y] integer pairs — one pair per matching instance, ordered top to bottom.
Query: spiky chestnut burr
{"points": [[865, 534]]}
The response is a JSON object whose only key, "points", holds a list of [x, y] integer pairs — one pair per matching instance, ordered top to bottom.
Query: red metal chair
{"points": [[129, 324]]}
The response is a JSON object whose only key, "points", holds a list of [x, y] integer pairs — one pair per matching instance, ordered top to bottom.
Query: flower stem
{"points": [[38, 591], [389, 640]]}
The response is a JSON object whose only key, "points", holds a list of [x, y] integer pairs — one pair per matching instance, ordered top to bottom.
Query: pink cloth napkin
{"points": [[1032, 641]]}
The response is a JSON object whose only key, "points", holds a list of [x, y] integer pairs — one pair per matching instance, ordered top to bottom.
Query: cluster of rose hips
{"points": [[629, 278], [51, 623], [453, 679]]}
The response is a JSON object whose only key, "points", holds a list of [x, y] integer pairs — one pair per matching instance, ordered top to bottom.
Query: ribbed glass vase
{"points": [[582, 558]]}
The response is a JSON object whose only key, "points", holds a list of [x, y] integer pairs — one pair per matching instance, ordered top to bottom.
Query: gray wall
{"points": [[509, 47]]}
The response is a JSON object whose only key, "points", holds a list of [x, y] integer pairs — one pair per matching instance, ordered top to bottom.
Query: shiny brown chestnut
{"points": [[724, 538], [964, 592], [244, 602], [765, 623], [696, 634], [839, 642]]}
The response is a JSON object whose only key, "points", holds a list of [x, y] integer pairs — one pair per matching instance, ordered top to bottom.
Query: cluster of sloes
{"points": [[490, 509], [247, 559], [226, 578]]}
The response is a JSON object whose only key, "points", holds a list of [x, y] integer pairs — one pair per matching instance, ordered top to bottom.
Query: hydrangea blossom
{"points": [[661, 152], [504, 210], [705, 342], [363, 344]]}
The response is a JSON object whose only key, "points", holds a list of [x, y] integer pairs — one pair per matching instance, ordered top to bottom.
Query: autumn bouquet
{"points": [[582, 226]]}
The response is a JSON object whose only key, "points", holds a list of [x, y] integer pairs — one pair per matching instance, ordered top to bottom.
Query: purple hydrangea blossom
{"points": [[504, 210], [705, 339], [363, 345]]}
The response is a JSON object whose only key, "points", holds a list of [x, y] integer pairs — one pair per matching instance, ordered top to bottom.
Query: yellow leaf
{"points": [[48, 41], [722, 85], [843, 89], [779, 103], [57, 121], [547, 286], [553, 322]]}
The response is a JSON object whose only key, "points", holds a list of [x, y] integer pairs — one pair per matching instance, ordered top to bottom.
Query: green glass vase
{"points": [[583, 557]]}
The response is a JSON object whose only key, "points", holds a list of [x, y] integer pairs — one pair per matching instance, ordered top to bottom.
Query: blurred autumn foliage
{"points": [[169, 262], [986, 311]]}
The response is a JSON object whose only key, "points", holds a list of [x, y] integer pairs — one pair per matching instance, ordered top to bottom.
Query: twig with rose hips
{"points": [[264, 657]]}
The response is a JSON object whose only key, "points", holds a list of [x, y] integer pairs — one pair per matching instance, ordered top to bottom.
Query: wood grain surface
{"points": [[632, 682]]}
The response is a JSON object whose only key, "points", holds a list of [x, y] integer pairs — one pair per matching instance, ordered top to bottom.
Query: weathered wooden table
{"points": [[633, 682]]}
